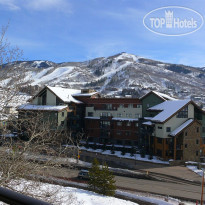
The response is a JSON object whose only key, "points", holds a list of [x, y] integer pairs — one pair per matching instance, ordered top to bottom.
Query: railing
{"points": [[12, 197]]}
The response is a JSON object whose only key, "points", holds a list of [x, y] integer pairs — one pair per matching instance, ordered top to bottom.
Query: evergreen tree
{"points": [[94, 174], [101, 180], [106, 183]]}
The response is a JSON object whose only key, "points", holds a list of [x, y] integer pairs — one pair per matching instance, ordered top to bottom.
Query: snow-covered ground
{"points": [[127, 155], [56, 194]]}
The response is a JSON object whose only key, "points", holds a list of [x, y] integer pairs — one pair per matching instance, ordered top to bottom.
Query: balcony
{"points": [[106, 117]]}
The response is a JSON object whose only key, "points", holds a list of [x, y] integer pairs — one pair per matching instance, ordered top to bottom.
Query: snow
{"points": [[127, 55], [57, 73], [65, 94], [85, 94], [163, 95], [42, 107], [168, 108], [94, 118], [124, 119], [147, 123], [181, 127], [127, 155], [195, 169], [57, 194]]}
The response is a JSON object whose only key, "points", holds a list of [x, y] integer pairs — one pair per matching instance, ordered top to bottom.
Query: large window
{"points": [[108, 106], [183, 113], [90, 114], [119, 123], [104, 124]]}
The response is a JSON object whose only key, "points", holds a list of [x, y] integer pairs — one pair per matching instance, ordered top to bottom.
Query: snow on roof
{"points": [[65, 94], [85, 94], [161, 95], [164, 96], [42, 107], [168, 108], [94, 118], [124, 119], [147, 123], [181, 127]]}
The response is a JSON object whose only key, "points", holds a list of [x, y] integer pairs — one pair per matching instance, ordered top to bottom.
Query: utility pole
{"points": [[202, 189]]}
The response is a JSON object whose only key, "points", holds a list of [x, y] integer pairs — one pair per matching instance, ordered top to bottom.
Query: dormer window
{"points": [[183, 113]]}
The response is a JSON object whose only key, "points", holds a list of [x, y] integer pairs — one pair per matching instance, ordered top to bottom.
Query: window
{"points": [[148, 105], [108, 106], [121, 106], [130, 106], [138, 106], [183, 113], [62, 114], [90, 114], [105, 114], [119, 114], [127, 115], [130, 115], [137, 115], [62, 123], [119, 123], [104, 124], [128, 124], [136, 124], [160, 128], [168, 129], [197, 129], [203, 129], [118, 133], [127, 133], [185, 133], [159, 140], [197, 141], [185, 145], [197, 153]]}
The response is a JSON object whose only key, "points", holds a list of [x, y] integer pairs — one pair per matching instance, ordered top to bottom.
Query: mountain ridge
{"points": [[119, 74]]}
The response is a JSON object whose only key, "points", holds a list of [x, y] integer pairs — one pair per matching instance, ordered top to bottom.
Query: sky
{"points": [[80, 30]]}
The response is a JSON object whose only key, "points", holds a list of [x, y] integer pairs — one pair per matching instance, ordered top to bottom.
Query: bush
{"points": [[87, 145], [104, 147], [112, 149], [132, 151], [123, 152], [142, 153]]}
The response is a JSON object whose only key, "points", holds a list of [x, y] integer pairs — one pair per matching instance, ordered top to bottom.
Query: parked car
{"points": [[83, 174]]}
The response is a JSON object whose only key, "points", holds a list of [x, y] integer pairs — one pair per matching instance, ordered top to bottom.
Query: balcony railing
{"points": [[12, 197]]}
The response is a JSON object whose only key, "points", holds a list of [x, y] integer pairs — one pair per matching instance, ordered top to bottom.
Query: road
{"points": [[177, 190]]}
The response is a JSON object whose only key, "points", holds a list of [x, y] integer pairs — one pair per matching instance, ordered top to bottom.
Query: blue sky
{"points": [[78, 30]]}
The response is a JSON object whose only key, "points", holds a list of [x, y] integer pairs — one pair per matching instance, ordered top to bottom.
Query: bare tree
{"points": [[31, 142]]}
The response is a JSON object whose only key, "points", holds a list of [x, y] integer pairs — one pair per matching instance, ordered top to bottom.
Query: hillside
{"points": [[120, 74]]}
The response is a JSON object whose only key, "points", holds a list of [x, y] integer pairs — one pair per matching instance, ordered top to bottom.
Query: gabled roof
{"points": [[65, 94], [163, 96], [42, 107], [168, 109], [181, 127]]}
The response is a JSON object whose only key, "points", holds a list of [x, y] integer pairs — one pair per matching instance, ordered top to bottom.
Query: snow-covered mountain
{"points": [[115, 75]]}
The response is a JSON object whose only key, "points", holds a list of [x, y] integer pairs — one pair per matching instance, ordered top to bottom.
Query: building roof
{"points": [[65, 94], [163, 96], [42, 107], [168, 109], [124, 119], [181, 127]]}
